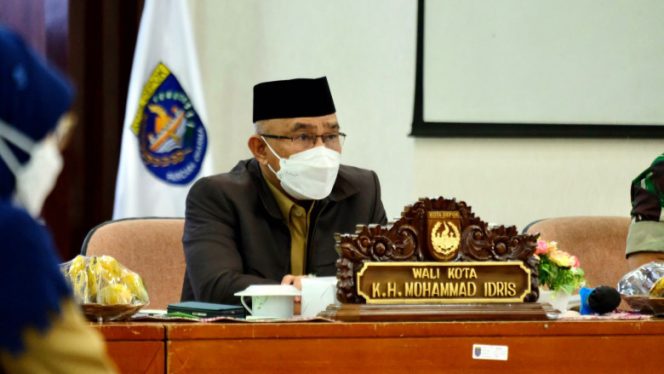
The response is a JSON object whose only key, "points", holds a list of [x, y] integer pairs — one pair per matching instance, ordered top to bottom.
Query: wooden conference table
{"points": [[386, 347]]}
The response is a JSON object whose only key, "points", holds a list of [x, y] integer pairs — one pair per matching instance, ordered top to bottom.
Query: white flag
{"points": [[164, 141]]}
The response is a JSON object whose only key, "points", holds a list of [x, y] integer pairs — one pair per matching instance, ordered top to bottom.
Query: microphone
{"points": [[598, 300]]}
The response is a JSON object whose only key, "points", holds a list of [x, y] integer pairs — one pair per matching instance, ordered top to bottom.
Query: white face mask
{"points": [[310, 174], [34, 180]]}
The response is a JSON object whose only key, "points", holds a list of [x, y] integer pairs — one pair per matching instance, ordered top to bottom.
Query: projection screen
{"points": [[529, 68]]}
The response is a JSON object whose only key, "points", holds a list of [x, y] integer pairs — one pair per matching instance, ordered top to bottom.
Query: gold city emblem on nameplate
{"points": [[443, 228]]}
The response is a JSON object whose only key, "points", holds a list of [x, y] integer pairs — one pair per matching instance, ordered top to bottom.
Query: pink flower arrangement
{"points": [[557, 256], [558, 270]]}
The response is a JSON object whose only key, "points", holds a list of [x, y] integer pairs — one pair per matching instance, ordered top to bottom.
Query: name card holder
{"points": [[437, 262]]}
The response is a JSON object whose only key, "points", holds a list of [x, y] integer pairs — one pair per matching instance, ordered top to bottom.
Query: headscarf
{"points": [[33, 97]]}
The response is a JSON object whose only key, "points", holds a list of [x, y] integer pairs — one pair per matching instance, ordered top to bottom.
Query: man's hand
{"points": [[295, 280]]}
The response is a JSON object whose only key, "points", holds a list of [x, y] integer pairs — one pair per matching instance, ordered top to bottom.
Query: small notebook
{"points": [[207, 310]]}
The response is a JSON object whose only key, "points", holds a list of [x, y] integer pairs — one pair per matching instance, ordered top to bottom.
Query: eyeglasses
{"points": [[304, 141]]}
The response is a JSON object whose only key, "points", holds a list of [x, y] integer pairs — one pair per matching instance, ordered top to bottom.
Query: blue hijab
{"points": [[32, 99]]}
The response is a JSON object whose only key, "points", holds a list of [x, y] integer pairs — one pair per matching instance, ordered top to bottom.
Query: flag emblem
{"points": [[171, 136]]}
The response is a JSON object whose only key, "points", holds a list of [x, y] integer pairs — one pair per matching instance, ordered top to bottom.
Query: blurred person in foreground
{"points": [[272, 218], [645, 241], [42, 328]]}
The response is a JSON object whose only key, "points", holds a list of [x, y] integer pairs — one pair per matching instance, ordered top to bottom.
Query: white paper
{"points": [[317, 294]]}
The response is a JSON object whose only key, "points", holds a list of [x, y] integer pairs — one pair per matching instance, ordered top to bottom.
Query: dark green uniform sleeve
{"points": [[646, 232]]}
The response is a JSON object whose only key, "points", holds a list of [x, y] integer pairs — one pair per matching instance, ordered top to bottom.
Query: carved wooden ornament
{"points": [[419, 255]]}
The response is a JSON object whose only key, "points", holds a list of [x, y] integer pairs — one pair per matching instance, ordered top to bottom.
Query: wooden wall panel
{"points": [[102, 37], [415, 347]]}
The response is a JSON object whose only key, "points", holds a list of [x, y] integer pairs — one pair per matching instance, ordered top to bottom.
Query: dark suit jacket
{"points": [[235, 235]]}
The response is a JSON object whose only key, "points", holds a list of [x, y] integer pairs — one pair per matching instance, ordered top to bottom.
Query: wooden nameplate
{"points": [[438, 252], [438, 262], [435, 312]]}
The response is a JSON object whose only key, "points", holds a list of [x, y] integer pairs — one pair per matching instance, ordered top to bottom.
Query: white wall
{"points": [[367, 50], [515, 181]]}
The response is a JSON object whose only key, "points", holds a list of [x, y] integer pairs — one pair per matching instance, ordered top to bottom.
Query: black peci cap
{"points": [[292, 98]]}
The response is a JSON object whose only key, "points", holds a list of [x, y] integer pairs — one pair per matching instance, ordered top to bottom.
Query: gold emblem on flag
{"points": [[171, 137], [444, 234]]}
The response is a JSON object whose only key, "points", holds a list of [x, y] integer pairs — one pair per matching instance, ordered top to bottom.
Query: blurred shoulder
{"points": [[15, 222], [26, 243], [29, 264]]}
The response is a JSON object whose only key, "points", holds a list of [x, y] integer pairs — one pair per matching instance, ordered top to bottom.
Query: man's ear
{"points": [[258, 149]]}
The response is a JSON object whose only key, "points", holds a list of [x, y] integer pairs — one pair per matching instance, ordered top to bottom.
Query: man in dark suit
{"points": [[272, 218]]}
